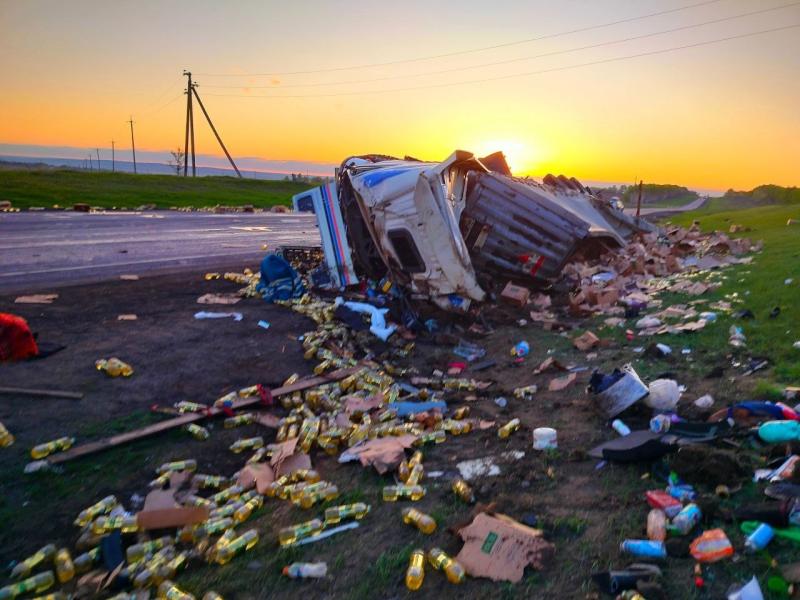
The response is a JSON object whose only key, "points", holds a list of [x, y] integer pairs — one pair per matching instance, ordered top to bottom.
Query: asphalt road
{"points": [[664, 211], [46, 250]]}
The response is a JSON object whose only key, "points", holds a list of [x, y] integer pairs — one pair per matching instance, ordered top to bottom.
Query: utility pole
{"points": [[189, 127], [214, 129], [133, 145], [97, 150], [113, 165], [91, 168], [639, 201]]}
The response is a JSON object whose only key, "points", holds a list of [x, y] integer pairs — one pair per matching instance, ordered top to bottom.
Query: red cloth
{"points": [[16, 339]]}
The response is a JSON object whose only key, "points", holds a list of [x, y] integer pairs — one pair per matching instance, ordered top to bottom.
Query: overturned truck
{"points": [[452, 231]]}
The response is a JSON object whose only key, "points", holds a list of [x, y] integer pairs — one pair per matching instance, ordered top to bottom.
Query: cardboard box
{"points": [[515, 295]]}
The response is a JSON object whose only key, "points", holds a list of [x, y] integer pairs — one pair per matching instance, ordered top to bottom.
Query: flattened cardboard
{"points": [[36, 299], [218, 299], [585, 342], [549, 364], [560, 383], [267, 420], [383, 453], [293, 463], [258, 474], [171, 517], [499, 548]]}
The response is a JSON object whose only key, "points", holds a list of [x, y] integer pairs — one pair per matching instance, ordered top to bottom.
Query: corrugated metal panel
{"points": [[518, 220]]}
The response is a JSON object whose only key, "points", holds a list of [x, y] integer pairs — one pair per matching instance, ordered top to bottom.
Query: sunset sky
{"points": [[716, 115]]}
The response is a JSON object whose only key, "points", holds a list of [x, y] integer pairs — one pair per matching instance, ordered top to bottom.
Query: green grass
{"points": [[44, 188], [760, 286]]}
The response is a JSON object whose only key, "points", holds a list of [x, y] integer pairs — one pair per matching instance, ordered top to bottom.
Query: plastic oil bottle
{"points": [[114, 367], [185, 406], [238, 420], [506, 430], [198, 432], [436, 437], [6, 439], [252, 443], [43, 450], [415, 459], [178, 465], [403, 471], [307, 475], [415, 476], [210, 481], [463, 491], [228, 493], [393, 493], [309, 499], [243, 513], [336, 514], [87, 515], [125, 523], [425, 523], [295, 533], [241, 544], [137, 552], [441, 561], [83, 562], [24, 568], [65, 568], [415, 573], [38, 583], [170, 591], [212, 595]]}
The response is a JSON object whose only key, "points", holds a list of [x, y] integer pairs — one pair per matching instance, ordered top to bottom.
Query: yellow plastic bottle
{"points": [[114, 367], [185, 406], [461, 413], [238, 420], [507, 429], [198, 432], [433, 437], [6, 439], [252, 443], [43, 450], [415, 459], [178, 465], [403, 471], [307, 475], [415, 476], [210, 481], [159, 482], [462, 490], [228, 493], [392, 493], [309, 499], [227, 510], [243, 513], [335, 514], [87, 515], [125, 523], [425, 523], [217, 525], [295, 533], [241, 544], [137, 552], [440, 561], [84, 562], [24, 568], [65, 568], [168, 570], [415, 573], [36, 584], [169, 591], [212, 595]]}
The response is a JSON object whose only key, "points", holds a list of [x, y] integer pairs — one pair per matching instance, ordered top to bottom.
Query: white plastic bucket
{"points": [[545, 438]]}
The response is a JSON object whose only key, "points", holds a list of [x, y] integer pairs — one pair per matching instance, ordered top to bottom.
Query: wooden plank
{"points": [[38, 392], [137, 434]]}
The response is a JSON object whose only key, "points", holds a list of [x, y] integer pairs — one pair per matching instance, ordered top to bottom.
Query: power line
{"points": [[471, 50], [513, 60], [526, 74]]}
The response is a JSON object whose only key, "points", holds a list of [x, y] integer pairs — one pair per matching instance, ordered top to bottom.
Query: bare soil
{"points": [[584, 508]]}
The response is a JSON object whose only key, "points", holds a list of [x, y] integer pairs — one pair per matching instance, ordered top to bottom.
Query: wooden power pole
{"points": [[189, 128], [133, 145], [97, 150], [113, 165], [639, 200]]}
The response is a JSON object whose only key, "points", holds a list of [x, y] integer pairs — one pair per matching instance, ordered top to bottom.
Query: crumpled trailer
{"points": [[448, 230]]}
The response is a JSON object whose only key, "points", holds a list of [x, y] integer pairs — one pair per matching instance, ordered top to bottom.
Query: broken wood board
{"points": [[38, 392], [130, 436]]}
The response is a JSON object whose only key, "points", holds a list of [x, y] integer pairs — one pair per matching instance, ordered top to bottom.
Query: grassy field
{"points": [[44, 188]]}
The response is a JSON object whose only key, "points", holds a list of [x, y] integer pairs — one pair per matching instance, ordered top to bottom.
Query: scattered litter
{"points": [[129, 277], [36, 299], [218, 299], [218, 315], [263, 324], [379, 328], [585, 342], [469, 351], [114, 367], [560, 383], [617, 391], [663, 395], [501, 402], [704, 402], [545, 438], [478, 467], [327, 533], [499, 548], [306, 570]]}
